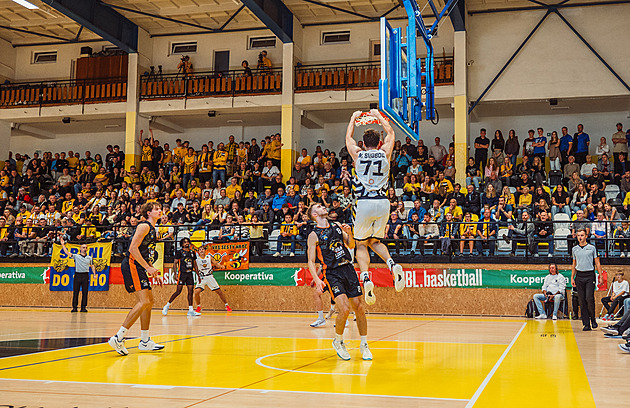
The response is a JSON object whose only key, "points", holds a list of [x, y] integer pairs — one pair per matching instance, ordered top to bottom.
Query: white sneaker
{"points": [[277, 254], [291, 254], [549, 255], [623, 255], [399, 278], [368, 287], [165, 310], [193, 313], [541, 316], [554, 317], [318, 323], [610, 330], [626, 333], [118, 345], [150, 346], [624, 347], [340, 348], [366, 354]]}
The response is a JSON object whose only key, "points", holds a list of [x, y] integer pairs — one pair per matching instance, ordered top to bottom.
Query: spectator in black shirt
{"points": [[482, 143], [412, 151], [254, 152], [621, 166], [432, 168], [595, 178], [457, 195], [596, 195], [250, 201], [560, 201], [472, 202], [336, 213], [181, 216], [393, 230], [543, 232]]}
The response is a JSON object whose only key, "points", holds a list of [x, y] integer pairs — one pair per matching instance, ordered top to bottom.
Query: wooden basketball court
{"points": [[55, 358]]}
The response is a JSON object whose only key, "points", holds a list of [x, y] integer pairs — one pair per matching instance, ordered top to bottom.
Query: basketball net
{"points": [[366, 118]]}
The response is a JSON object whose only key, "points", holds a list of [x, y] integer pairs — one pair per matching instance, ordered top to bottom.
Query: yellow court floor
{"points": [[262, 359]]}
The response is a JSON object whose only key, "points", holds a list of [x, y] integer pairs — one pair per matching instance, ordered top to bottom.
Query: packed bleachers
{"points": [[533, 202]]}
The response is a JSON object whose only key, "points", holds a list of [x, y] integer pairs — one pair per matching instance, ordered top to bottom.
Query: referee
{"points": [[585, 260], [83, 263]]}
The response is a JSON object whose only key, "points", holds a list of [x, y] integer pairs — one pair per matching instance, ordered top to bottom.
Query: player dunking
{"points": [[372, 206], [330, 244], [205, 265], [137, 267]]}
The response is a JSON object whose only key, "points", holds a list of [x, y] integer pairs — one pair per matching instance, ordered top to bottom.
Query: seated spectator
{"points": [[492, 167], [621, 167], [570, 168], [587, 168], [605, 169], [506, 171], [538, 171], [473, 175], [595, 178], [495, 182], [411, 189], [427, 189], [596, 195], [491, 197], [580, 199], [278, 200], [524, 201], [560, 201], [416, 209], [454, 209], [436, 213], [503, 213], [579, 223], [600, 228], [393, 229], [227, 231], [522, 232], [543, 232], [288, 233], [428, 233], [448, 233], [467, 233], [486, 233], [622, 237], [554, 288], [620, 292]]}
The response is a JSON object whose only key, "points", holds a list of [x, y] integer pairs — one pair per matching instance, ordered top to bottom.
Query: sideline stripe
{"points": [[110, 351], [494, 369], [262, 391]]}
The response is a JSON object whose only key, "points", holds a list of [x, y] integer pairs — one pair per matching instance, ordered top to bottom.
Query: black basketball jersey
{"points": [[147, 246], [331, 250], [186, 260]]}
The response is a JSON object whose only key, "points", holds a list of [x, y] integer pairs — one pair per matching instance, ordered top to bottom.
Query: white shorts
{"points": [[370, 218], [208, 281]]}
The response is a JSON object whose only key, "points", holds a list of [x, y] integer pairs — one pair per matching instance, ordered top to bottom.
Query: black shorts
{"points": [[134, 275], [186, 279], [343, 280], [326, 288]]}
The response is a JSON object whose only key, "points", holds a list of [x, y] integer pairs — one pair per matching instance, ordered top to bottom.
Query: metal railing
{"points": [[211, 83], [64, 92]]}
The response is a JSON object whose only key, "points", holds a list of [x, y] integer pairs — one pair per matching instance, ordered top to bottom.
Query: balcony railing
{"points": [[205, 84], [65, 92]]}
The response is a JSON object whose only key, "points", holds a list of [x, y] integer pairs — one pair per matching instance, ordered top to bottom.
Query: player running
{"points": [[372, 206], [330, 244], [185, 265], [205, 265], [137, 267]]}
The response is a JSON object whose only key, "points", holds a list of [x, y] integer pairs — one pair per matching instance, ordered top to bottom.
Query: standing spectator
{"points": [[581, 142], [482, 143], [620, 143], [566, 144], [539, 145], [498, 146], [512, 147], [528, 147], [412, 151], [437, 151], [554, 153], [232, 156], [543, 232], [585, 261], [83, 263], [553, 288], [620, 292]]}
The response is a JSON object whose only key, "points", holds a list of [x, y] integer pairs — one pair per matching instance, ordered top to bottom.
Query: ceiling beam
{"points": [[561, 5], [275, 15], [458, 16], [101, 20], [166, 125]]}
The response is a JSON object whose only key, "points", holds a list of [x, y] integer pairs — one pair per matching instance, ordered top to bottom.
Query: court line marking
{"points": [[374, 341], [109, 351], [485, 382], [232, 389]]}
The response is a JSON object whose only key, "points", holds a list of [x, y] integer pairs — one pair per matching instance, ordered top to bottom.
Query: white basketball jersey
{"points": [[371, 174], [205, 265]]}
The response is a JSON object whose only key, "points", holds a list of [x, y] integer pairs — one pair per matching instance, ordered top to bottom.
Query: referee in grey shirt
{"points": [[585, 260], [82, 265]]}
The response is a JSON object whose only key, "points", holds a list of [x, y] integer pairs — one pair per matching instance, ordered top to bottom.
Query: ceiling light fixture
{"points": [[26, 4]]}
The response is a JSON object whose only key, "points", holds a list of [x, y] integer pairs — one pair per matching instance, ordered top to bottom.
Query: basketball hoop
{"points": [[366, 118]]}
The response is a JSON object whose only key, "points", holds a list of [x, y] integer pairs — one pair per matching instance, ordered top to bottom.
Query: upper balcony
{"points": [[308, 78]]}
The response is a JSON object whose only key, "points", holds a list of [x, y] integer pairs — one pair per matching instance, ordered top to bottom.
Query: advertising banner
{"points": [[232, 255], [62, 267], [23, 274]]}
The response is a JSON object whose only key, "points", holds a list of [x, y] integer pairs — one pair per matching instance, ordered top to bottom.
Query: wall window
{"points": [[336, 37], [256, 43], [188, 47], [375, 49], [45, 57]]}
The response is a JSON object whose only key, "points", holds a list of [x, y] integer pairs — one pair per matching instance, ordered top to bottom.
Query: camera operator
{"points": [[264, 63], [185, 66]]}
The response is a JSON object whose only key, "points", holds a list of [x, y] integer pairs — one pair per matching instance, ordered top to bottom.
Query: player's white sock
{"points": [[390, 263], [365, 275], [168, 304], [226, 305], [332, 308], [190, 309], [320, 314], [121, 333], [144, 335], [338, 338], [363, 339]]}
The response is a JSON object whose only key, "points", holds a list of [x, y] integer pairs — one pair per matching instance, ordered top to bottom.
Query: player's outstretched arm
{"points": [[390, 137], [351, 144], [312, 248]]}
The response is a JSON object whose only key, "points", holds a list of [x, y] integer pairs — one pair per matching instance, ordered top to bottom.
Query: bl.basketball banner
{"points": [[233, 255], [62, 267]]}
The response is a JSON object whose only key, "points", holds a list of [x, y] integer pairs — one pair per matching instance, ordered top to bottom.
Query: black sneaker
{"points": [[506, 239], [74, 310], [83, 310], [594, 324], [586, 328]]}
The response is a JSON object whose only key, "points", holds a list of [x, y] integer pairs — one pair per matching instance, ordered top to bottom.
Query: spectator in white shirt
{"points": [[603, 147], [437, 151], [587, 168], [553, 289], [620, 291]]}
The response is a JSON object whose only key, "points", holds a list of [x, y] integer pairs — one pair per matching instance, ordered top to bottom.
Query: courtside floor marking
{"points": [[494, 369]]}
